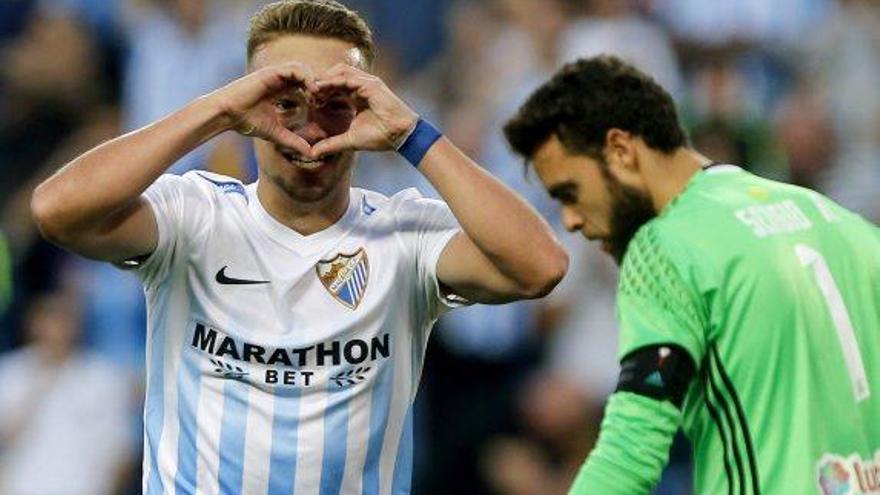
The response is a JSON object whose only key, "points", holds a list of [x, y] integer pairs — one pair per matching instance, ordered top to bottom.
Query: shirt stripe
{"points": [[401, 395], [187, 402], [211, 404], [154, 408], [379, 408], [235, 410], [716, 417], [741, 417], [727, 419], [285, 422], [335, 437], [358, 438], [258, 442], [168, 443], [310, 451], [403, 465]]}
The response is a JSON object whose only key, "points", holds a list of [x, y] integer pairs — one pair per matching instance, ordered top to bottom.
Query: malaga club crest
{"points": [[345, 276]]}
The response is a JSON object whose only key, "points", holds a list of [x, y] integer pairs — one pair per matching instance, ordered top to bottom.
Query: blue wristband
{"points": [[419, 142]]}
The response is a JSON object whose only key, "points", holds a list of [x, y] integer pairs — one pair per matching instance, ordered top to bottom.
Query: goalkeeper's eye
{"points": [[565, 193], [567, 199]]}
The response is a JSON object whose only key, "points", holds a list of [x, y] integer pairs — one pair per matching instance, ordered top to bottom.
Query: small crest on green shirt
{"points": [[759, 193]]}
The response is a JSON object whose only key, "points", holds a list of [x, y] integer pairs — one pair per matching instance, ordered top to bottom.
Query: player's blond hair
{"points": [[323, 18]]}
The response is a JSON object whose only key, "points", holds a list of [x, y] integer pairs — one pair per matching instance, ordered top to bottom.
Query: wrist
{"points": [[216, 112], [398, 141], [418, 141]]}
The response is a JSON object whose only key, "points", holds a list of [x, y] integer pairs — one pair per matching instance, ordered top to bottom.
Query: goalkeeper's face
{"points": [[593, 199]]}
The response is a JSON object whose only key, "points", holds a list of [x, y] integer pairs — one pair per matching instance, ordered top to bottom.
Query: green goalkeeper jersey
{"points": [[774, 291]]}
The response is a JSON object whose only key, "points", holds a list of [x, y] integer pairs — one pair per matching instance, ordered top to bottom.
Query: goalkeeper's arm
{"points": [[641, 419]]}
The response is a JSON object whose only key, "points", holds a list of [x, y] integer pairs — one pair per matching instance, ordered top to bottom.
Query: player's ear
{"points": [[621, 154]]}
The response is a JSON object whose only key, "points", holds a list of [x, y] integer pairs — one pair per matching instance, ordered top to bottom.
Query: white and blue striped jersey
{"points": [[279, 363]]}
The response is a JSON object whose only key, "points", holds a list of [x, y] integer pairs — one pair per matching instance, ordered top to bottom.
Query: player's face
{"points": [[305, 180], [593, 201]]}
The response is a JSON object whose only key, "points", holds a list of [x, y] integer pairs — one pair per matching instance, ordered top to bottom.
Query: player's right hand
{"points": [[249, 105]]}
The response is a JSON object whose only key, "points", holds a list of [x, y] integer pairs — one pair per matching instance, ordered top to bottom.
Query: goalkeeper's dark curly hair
{"points": [[585, 99]]}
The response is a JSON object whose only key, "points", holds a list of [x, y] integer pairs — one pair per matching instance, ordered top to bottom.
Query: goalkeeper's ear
{"points": [[661, 372]]}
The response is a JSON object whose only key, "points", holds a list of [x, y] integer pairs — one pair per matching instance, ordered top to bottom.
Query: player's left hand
{"points": [[382, 120]]}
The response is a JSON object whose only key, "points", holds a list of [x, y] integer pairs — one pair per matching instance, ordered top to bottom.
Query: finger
{"points": [[343, 70], [295, 71], [292, 74], [342, 81], [310, 85], [362, 87], [357, 91], [289, 139], [332, 144]]}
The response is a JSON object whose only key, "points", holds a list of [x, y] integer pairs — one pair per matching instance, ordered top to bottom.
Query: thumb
{"points": [[332, 144]]}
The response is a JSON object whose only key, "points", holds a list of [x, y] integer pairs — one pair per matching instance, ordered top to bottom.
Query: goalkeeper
{"points": [[749, 310]]}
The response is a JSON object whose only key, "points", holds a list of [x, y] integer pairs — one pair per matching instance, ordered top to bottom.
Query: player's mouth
{"points": [[308, 164]]}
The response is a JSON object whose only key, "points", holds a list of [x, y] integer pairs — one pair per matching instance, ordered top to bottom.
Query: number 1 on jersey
{"points": [[840, 316]]}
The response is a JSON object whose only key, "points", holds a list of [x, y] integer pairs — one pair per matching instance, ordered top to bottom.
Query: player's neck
{"points": [[677, 170], [304, 218]]}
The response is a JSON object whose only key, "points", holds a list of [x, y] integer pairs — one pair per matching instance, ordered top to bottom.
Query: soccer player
{"points": [[749, 310], [288, 318]]}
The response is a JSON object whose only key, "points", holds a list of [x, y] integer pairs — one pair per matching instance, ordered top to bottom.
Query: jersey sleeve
{"points": [[183, 211], [427, 226], [656, 301], [656, 305], [632, 449]]}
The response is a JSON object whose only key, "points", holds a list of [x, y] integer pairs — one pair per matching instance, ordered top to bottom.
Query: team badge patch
{"points": [[346, 276]]}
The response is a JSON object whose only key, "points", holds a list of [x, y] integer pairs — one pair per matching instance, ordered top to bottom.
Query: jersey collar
{"points": [[293, 240]]}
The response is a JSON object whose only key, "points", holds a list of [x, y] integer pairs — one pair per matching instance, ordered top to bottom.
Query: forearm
{"points": [[106, 179], [506, 229], [633, 447]]}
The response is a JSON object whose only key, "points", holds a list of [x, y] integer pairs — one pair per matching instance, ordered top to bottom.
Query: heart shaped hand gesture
{"points": [[249, 104], [382, 121]]}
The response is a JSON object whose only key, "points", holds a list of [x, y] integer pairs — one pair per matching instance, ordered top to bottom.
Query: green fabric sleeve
{"points": [[633, 447]]}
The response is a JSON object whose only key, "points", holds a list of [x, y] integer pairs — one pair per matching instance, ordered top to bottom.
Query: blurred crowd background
{"points": [[512, 396]]}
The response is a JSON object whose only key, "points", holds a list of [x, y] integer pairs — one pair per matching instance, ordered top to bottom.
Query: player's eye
{"points": [[286, 105], [338, 105]]}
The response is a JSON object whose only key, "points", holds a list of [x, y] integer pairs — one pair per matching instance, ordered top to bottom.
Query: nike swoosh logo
{"points": [[222, 279]]}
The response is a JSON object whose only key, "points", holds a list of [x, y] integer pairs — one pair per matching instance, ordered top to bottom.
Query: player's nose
{"points": [[311, 131], [571, 220]]}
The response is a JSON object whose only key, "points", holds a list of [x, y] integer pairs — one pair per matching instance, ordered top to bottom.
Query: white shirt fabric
{"points": [[301, 381], [76, 434]]}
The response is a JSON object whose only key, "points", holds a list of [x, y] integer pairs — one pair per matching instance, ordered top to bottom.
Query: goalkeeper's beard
{"points": [[630, 209]]}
